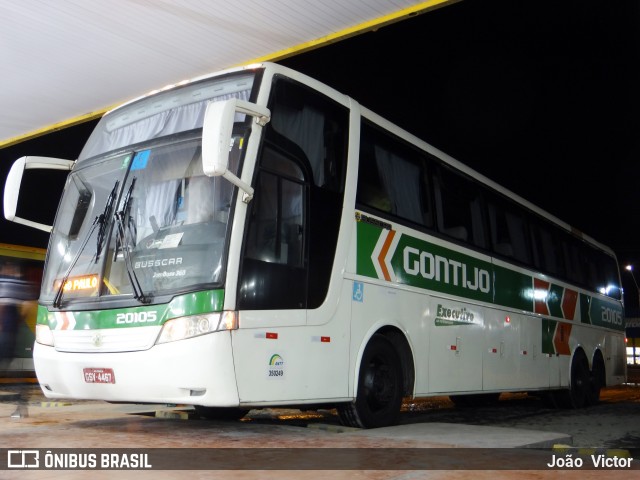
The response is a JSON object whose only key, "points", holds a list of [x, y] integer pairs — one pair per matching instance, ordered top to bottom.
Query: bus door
{"points": [[288, 250]]}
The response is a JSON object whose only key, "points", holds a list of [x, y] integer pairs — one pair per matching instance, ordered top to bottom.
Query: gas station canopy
{"points": [[69, 61]]}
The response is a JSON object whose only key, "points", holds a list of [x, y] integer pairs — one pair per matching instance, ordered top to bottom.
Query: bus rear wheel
{"points": [[597, 380], [578, 394], [379, 396]]}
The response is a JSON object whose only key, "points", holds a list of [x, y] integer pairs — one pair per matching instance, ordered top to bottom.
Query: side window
{"points": [[317, 125], [393, 178], [459, 208], [276, 228], [507, 229], [548, 255], [589, 263], [575, 268], [609, 275]]}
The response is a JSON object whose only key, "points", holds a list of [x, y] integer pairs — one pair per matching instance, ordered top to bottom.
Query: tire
{"points": [[597, 380], [578, 393], [379, 396], [220, 413]]}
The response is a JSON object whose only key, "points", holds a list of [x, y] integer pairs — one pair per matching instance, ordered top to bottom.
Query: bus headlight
{"points": [[195, 325], [44, 335]]}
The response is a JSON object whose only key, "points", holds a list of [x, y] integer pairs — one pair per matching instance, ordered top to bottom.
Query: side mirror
{"points": [[217, 138], [14, 181]]}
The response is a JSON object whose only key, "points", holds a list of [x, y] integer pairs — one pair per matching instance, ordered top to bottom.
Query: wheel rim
{"points": [[380, 384]]}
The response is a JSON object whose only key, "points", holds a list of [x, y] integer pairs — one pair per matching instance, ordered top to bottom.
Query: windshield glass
{"points": [[166, 113], [138, 217], [142, 224]]}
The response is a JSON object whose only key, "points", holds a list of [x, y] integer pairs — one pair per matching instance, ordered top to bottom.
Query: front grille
{"points": [[106, 340]]}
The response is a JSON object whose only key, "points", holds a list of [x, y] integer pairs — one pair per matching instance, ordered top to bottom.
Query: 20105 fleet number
{"points": [[136, 317]]}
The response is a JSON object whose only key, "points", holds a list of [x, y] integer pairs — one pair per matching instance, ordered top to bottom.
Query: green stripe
{"points": [[367, 238], [432, 267], [440, 269], [513, 289], [554, 300], [184, 305], [585, 305], [604, 314], [548, 330]]}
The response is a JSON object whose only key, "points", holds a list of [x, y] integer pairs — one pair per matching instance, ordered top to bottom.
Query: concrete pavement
{"points": [[418, 435], [384, 453]]}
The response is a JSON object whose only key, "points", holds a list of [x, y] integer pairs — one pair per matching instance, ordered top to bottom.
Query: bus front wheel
{"points": [[379, 396]]}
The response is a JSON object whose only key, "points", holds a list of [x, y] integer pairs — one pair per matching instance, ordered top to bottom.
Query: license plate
{"points": [[99, 375]]}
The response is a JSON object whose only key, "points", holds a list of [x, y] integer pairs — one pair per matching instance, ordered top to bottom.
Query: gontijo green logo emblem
{"points": [[386, 254], [445, 270]]}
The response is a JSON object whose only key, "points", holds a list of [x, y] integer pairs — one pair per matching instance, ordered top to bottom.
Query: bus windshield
{"points": [[139, 216], [141, 223]]}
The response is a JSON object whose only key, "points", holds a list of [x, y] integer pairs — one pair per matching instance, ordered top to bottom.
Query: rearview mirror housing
{"points": [[14, 181]]}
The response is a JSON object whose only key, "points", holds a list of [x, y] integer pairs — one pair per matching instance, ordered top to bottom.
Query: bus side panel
{"points": [[377, 305], [456, 342], [500, 356], [615, 359], [295, 363], [534, 365]]}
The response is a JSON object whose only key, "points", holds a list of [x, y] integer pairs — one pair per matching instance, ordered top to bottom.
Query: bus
{"points": [[254, 238], [20, 276]]}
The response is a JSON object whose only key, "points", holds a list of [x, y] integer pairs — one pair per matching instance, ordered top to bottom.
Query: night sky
{"points": [[542, 97]]}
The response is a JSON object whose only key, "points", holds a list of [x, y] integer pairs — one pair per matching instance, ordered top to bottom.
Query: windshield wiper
{"points": [[102, 219], [99, 220], [123, 241], [57, 301]]}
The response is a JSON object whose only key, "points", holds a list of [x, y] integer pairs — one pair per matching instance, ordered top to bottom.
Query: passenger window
{"points": [[393, 178], [459, 208], [508, 229], [547, 248]]}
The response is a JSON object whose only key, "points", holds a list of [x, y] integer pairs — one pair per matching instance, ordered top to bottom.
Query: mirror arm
{"points": [[247, 190]]}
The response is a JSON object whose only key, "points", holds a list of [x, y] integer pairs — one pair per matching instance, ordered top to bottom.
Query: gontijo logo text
{"points": [[389, 255], [441, 269]]}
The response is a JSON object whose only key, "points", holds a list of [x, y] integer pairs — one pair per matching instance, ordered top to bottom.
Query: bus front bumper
{"points": [[196, 371]]}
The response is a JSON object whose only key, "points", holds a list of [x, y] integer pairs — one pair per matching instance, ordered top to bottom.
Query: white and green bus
{"points": [[254, 238]]}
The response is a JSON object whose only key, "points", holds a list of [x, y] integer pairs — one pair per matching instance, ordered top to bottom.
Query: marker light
{"points": [[44, 335]]}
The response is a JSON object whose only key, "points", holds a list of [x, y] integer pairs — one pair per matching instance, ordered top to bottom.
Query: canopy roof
{"points": [[69, 61]]}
